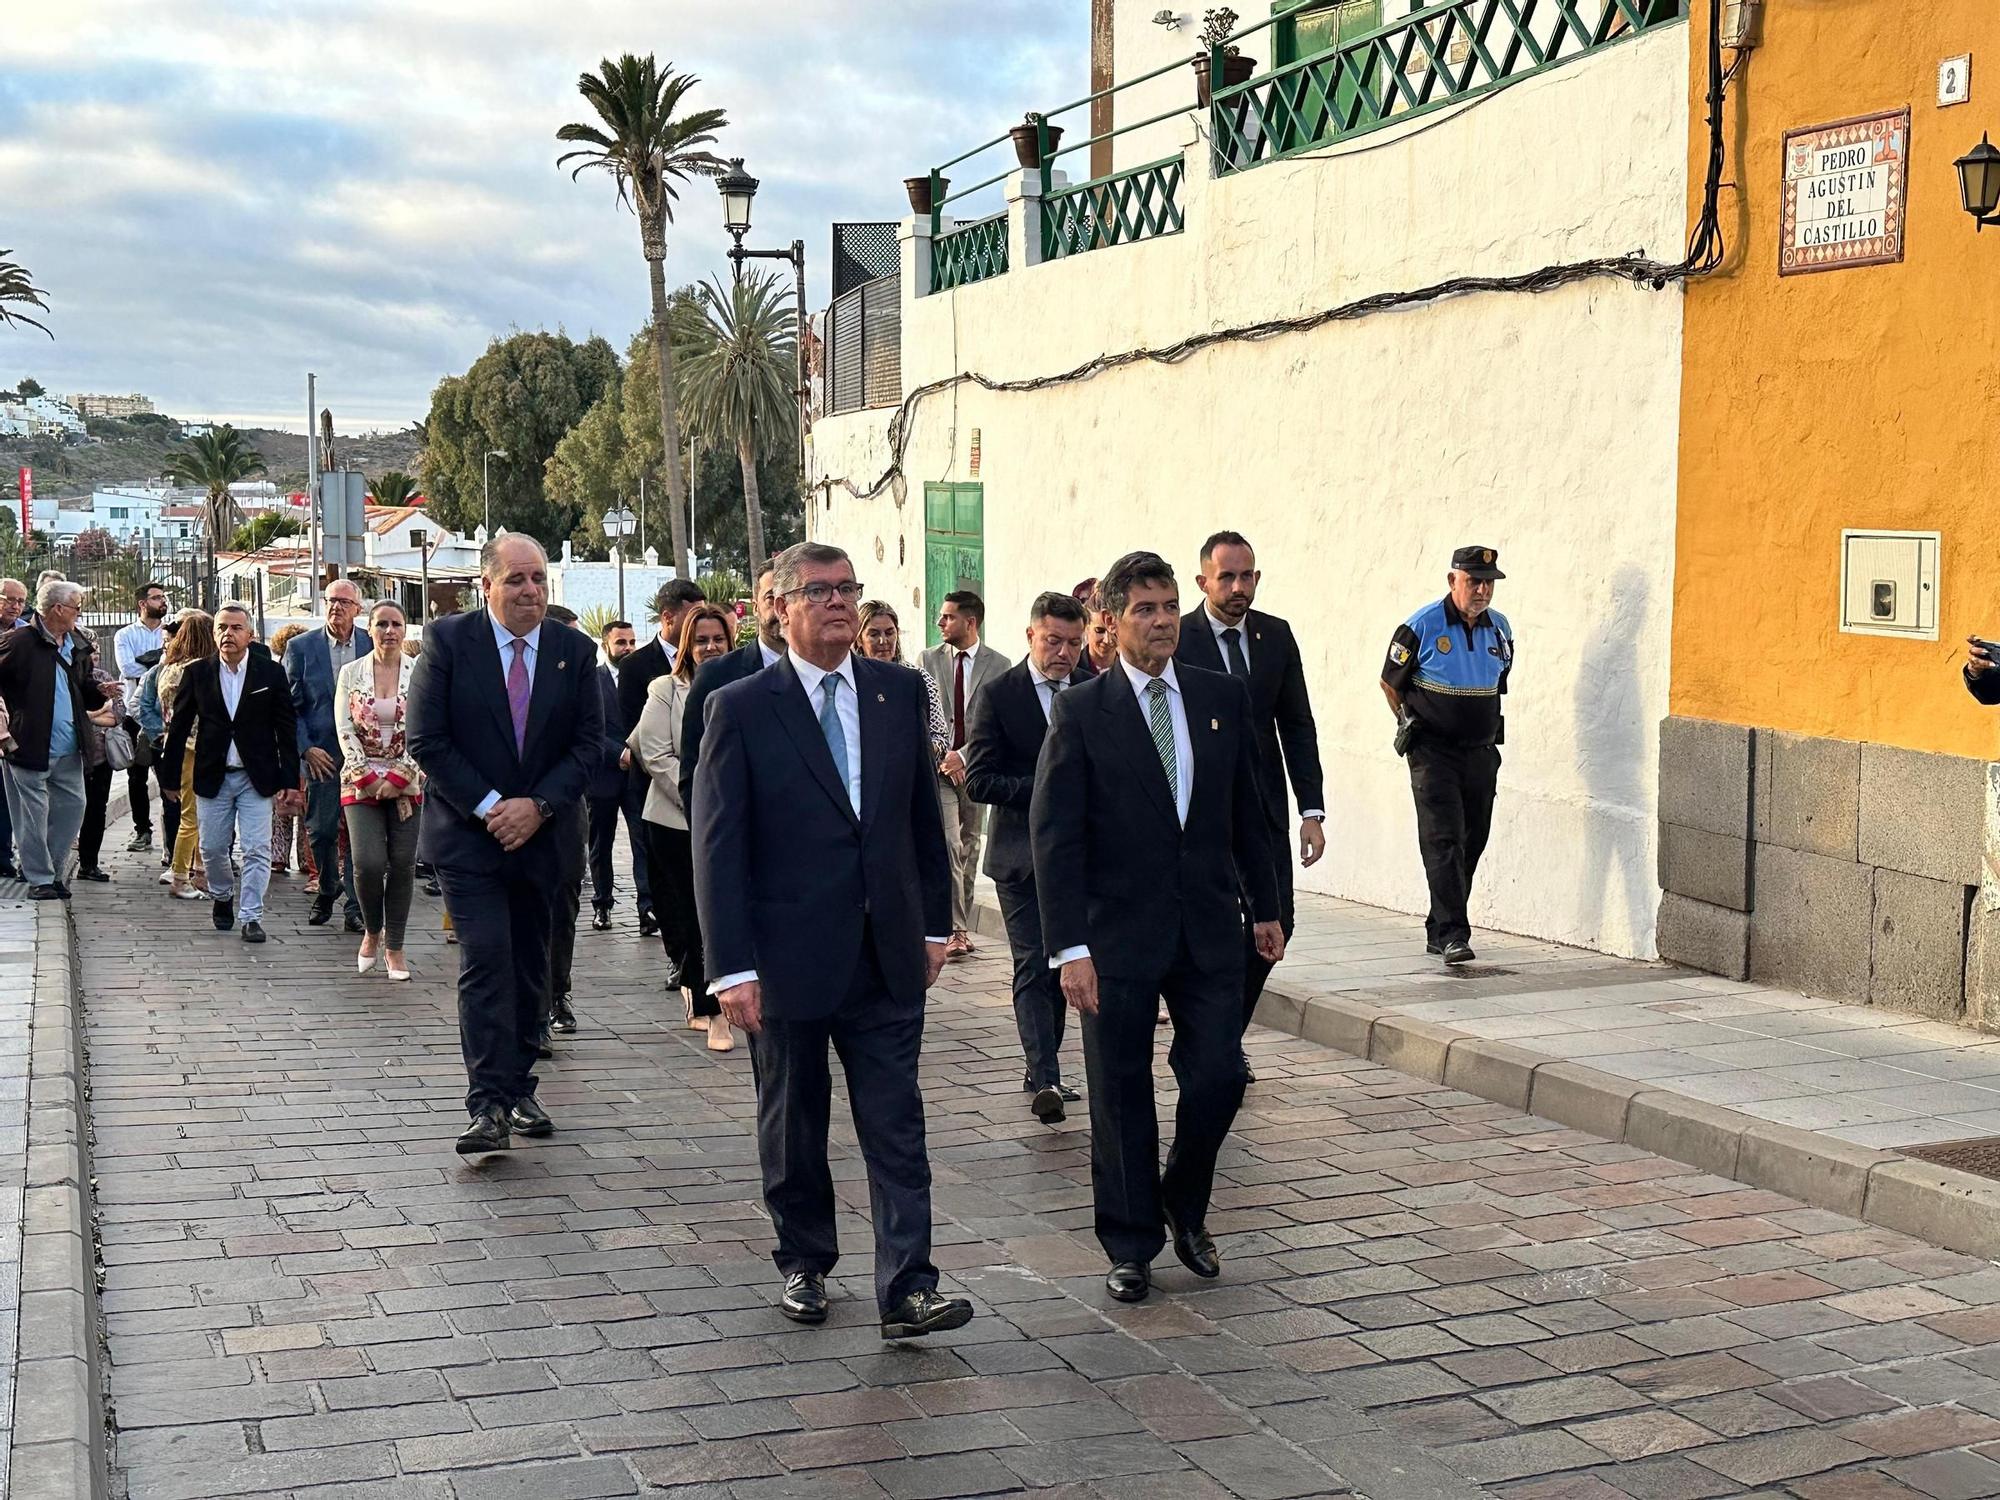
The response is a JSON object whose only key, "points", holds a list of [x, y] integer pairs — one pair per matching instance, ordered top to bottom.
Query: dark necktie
{"points": [[1232, 640], [958, 704]]}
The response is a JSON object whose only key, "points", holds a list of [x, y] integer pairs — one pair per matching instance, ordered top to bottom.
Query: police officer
{"points": [[1446, 671]]}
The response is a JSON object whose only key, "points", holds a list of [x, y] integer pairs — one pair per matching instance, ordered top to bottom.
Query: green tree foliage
{"points": [[649, 151], [17, 291], [740, 386], [30, 387], [522, 395], [212, 462], [589, 472], [394, 488], [258, 533], [93, 545]]}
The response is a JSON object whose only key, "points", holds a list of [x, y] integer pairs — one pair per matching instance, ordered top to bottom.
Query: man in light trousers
{"points": [[46, 682]]}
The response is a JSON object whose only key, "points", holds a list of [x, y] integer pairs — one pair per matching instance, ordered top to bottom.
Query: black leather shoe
{"points": [[141, 840], [9, 870], [93, 874], [432, 888], [63, 892], [44, 893], [322, 913], [223, 915], [600, 918], [353, 923], [649, 925], [253, 932], [1459, 953], [562, 1017], [543, 1047], [1249, 1074], [1070, 1095], [1048, 1106], [530, 1119], [487, 1132], [1195, 1249], [1129, 1281], [804, 1300], [925, 1312]]}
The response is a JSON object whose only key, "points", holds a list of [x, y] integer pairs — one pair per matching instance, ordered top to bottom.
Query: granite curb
{"points": [[1945, 1207]]}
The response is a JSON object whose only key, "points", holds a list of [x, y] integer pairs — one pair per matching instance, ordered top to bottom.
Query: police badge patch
{"points": [[1444, 645]]}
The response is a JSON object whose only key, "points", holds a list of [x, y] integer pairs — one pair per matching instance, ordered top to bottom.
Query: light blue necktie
{"points": [[829, 725]]}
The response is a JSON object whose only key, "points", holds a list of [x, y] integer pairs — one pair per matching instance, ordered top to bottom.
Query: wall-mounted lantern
{"points": [[1979, 182]]}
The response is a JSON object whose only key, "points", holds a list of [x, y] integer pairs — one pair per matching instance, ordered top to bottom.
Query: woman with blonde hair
{"points": [[707, 632], [193, 642], [380, 787]]}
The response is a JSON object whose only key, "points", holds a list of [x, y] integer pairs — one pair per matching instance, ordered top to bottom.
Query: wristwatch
{"points": [[544, 809]]}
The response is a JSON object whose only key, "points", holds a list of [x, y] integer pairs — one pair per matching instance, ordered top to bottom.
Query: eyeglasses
{"points": [[822, 593]]}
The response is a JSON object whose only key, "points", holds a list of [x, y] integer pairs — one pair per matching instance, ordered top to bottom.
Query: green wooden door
{"points": [[1313, 27], [954, 546]]}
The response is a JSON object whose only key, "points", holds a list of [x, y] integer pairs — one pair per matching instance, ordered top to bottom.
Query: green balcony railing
{"points": [[1448, 52], [1140, 203], [972, 252]]}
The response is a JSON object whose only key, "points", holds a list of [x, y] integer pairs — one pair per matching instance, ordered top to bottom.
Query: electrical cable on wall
{"points": [[1705, 254]]}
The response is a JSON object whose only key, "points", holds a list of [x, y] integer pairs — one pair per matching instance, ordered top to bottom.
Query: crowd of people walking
{"points": [[805, 810]]}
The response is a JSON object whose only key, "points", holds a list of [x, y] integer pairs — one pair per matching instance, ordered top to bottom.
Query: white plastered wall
{"points": [[1357, 455]]}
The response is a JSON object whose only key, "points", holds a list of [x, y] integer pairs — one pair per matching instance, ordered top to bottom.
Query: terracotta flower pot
{"points": [[1235, 70], [1027, 150], [919, 189]]}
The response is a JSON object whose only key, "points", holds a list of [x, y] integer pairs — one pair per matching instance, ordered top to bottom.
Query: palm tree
{"points": [[648, 151], [15, 288], [740, 383], [213, 461], [394, 488]]}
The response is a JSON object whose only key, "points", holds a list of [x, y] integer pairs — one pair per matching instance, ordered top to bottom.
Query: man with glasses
{"points": [[13, 605], [143, 638], [313, 662], [46, 682], [823, 885]]}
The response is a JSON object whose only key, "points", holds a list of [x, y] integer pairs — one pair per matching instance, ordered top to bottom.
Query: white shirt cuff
{"points": [[486, 804], [1313, 812], [939, 941], [1070, 955], [730, 981]]}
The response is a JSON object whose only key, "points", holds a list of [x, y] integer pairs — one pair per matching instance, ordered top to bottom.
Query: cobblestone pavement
{"points": [[1424, 1295]]}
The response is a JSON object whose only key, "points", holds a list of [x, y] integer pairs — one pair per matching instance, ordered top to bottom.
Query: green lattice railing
{"points": [[1449, 51], [1140, 203], [972, 252]]}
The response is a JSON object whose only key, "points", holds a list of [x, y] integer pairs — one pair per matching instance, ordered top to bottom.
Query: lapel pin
{"points": [[560, 665], [880, 699], [1215, 723]]}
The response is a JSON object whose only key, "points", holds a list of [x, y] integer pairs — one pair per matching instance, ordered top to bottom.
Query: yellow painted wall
{"points": [[1856, 398]]}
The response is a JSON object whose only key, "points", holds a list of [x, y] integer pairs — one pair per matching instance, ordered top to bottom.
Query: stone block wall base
{"points": [[1714, 938]]}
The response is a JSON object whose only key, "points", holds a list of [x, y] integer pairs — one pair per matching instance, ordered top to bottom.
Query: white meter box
{"points": [[1889, 583]]}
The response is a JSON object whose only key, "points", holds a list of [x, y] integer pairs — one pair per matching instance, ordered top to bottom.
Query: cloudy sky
{"points": [[220, 195]]}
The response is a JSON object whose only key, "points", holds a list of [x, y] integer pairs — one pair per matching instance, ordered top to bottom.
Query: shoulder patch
{"points": [[1399, 653]]}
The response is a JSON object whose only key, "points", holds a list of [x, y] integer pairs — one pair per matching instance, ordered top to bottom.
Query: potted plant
{"points": [[1217, 26], [1027, 142], [919, 189]]}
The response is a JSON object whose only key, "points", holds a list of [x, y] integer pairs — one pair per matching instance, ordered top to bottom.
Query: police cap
{"points": [[1477, 562]]}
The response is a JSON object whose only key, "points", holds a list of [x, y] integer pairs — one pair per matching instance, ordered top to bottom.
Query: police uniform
{"points": [[1450, 676]]}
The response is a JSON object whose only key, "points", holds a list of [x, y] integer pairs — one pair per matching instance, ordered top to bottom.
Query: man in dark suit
{"points": [[1227, 635], [655, 659], [743, 662], [313, 663], [506, 721], [1003, 741], [246, 754], [615, 795], [1145, 832], [823, 885], [558, 1014]]}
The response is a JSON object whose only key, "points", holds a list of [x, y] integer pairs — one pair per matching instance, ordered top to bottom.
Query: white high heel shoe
{"points": [[363, 962]]}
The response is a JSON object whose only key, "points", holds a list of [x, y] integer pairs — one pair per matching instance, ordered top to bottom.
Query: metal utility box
{"points": [[1889, 583]]}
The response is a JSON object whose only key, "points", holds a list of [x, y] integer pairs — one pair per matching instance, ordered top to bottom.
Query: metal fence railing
{"points": [[1140, 203], [863, 252], [972, 252], [863, 344], [113, 577]]}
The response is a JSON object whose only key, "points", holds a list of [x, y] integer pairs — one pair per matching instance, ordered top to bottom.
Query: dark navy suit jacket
{"points": [[462, 734], [1003, 741], [606, 780], [788, 880]]}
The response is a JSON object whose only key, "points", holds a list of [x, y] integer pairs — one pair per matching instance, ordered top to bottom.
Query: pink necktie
{"points": [[517, 694]]}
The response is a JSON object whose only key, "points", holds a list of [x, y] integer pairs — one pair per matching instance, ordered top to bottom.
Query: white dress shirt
{"points": [[504, 639], [134, 641], [771, 660], [232, 680], [1046, 689], [846, 708], [1183, 759]]}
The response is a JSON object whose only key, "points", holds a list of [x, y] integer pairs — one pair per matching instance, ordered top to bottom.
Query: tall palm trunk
{"points": [[670, 419], [753, 502]]}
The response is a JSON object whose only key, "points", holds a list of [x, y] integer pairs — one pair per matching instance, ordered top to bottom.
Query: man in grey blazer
{"points": [[313, 663], [960, 667]]}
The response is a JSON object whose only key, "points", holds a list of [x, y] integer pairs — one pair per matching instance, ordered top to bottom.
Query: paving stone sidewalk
{"points": [[1425, 1294]]}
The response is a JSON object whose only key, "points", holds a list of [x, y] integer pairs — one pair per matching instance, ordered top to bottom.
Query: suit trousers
{"points": [[1454, 787], [138, 796], [96, 808], [47, 809], [605, 813], [323, 819], [963, 820], [670, 855], [504, 919], [562, 934], [1256, 969], [1039, 1007], [877, 1041], [1132, 1193]]}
